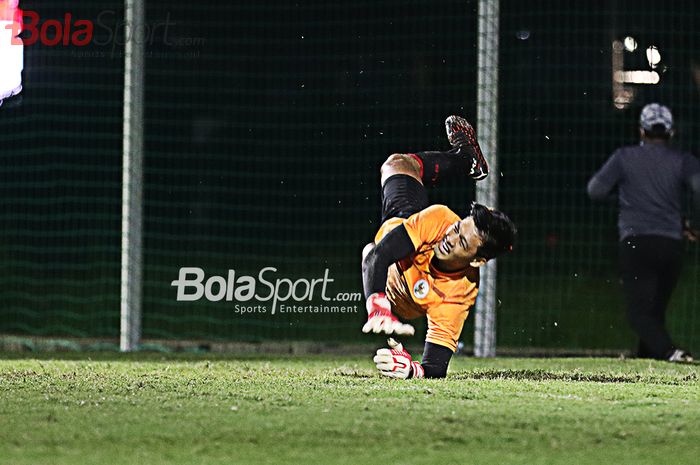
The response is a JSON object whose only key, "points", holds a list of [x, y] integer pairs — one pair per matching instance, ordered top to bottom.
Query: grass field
{"points": [[155, 409]]}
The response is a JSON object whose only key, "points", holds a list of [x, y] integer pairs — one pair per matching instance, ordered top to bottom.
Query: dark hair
{"points": [[657, 131], [496, 229]]}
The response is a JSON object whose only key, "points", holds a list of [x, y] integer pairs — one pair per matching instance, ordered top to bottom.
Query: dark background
{"points": [[266, 124]]}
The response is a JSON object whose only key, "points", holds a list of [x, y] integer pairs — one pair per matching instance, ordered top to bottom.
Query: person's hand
{"points": [[689, 233], [381, 320], [395, 362]]}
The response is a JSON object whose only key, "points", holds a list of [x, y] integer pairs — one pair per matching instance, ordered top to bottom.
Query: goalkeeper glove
{"points": [[380, 319], [397, 363]]}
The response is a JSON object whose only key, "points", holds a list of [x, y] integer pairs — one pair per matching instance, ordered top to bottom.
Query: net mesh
{"points": [[266, 124], [559, 124], [270, 156], [60, 182]]}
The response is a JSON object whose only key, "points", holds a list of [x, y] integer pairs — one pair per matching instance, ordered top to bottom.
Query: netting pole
{"points": [[132, 177], [487, 190]]}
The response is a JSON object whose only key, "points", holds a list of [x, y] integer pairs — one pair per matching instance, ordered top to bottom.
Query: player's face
{"points": [[458, 247]]}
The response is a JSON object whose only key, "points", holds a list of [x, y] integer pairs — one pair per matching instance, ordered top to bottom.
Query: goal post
{"points": [[132, 181], [487, 190]]}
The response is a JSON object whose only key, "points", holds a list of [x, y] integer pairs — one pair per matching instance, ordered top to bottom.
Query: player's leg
{"points": [[464, 159], [401, 164], [403, 193], [669, 255], [640, 283], [643, 351]]}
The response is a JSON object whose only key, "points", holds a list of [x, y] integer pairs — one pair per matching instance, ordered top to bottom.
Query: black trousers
{"points": [[402, 196], [650, 267]]}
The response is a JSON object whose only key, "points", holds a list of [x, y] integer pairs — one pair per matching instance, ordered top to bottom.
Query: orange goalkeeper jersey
{"points": [[415, 288]]}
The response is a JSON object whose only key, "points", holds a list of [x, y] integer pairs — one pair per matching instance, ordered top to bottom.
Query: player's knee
{"points": [[396, 157], [395, 160], [400, 163]]}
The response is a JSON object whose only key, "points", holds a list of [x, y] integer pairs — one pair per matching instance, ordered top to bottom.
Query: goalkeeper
{"points": [[425, 260]]}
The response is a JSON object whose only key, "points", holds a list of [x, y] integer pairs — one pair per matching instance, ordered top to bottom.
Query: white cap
{"points": [[653, 114]]}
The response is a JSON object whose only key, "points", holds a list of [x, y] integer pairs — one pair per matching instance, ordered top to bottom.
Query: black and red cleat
{"points": [[462, 138]]}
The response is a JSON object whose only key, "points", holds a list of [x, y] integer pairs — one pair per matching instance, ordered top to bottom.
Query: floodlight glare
{"points": [[653, 56]]}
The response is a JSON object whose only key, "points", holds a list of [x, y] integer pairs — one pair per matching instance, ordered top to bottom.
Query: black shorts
{"points": [[402, 196]]}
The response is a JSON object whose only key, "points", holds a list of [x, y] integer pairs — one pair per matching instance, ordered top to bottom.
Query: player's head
{"points": [[656, 122], [497, 231], [481, 236]]}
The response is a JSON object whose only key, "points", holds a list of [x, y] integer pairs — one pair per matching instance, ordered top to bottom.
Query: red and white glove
{"points": [[380, 319], [397, 363]]}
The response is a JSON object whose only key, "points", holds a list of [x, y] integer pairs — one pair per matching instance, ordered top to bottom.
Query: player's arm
{"points": [[691, 171], [605, 180], [423, 227], [394, 246], [445, 324], [444, 328], [436, 358]]}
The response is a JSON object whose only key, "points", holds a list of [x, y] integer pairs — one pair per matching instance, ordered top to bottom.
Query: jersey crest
{"points": [[421, 289]]}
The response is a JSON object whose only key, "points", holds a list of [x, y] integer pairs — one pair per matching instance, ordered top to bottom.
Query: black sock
{"points": [[466, 160], [442, 166]]}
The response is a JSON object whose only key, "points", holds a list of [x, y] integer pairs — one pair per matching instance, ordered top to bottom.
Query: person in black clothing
{"points": [[651, 179]]}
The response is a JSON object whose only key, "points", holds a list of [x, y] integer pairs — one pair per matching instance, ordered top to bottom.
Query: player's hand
{"points": [[381, 320], [396, 362]]}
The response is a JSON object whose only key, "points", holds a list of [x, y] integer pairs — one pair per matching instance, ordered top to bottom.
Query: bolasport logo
{"points": [[108, 29], [51, 32], [81, 32], [275, 294]]}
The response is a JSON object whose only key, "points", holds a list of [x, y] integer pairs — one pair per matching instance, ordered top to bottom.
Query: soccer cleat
{"points": [[459, 131], [462, 138], [680, 356]]}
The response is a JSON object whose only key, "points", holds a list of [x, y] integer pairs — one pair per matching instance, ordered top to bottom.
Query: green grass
{"points": [[155, 409]]}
